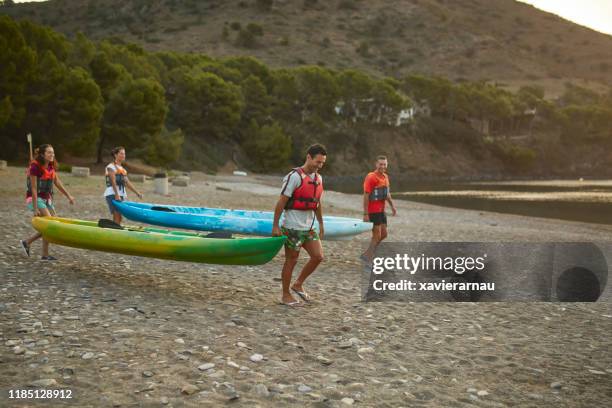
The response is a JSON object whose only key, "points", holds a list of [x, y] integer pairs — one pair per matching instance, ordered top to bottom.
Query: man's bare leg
{"points": [[383, 233], [376, 238], [315, 250], [291, 258]]}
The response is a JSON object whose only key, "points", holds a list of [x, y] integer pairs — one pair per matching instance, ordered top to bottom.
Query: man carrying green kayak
{"points": [[300, 198]]}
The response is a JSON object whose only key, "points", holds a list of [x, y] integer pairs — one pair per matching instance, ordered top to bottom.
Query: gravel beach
{"points": [[122, 331]]}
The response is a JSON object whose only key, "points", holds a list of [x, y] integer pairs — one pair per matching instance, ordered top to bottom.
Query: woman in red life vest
{"points": [[42, 176], [116, 182]]}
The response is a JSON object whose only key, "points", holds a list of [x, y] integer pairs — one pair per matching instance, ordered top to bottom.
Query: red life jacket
{"points": [[44, 183], [308, 194]]}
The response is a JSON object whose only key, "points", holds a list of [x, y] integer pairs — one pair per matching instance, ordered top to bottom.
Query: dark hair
{"points": [[315, 149], [115, 151], [39, 155], [381, 157]]}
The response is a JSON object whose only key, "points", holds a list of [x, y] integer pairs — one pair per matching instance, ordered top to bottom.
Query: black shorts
{"points": [[378, 218]]}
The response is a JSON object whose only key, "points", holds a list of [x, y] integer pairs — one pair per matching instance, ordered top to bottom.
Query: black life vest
{"points": [[120, 176], [379, 193]]}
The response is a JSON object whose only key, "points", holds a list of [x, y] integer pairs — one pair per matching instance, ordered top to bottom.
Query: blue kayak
{"points": [[235, 221]]}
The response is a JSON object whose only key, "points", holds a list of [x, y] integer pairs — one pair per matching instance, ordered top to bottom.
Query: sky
{"points": [[595, 14]]}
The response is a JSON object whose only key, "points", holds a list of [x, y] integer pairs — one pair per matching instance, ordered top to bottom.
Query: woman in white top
{"points": [[116, 182]]}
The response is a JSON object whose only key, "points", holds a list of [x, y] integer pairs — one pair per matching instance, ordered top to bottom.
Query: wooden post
{"points": [[29, 137]]}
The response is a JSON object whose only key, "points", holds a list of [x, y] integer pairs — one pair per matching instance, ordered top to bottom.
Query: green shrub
{"points": [[264, 5], [347, 5], [255, 29], [248, 37], [363, 49], [444, 133], [268, 146], [164, 148], [514, 157], [65, 168]]}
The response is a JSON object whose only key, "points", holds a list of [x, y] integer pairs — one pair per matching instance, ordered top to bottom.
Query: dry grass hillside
{"points": [[501, 40]]}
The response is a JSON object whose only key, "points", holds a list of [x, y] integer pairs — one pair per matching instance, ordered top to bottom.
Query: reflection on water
{"points": [[574, 200], [584, 211]]}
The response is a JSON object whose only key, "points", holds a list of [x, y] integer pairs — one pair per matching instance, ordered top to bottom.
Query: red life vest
{"points": [[44, 183], [308, 194]]}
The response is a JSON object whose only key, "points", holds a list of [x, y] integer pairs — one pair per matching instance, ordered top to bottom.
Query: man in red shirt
{"points": [[375, 194]]}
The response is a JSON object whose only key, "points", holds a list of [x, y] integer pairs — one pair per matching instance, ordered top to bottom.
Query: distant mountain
{"points": [[502, 40]]}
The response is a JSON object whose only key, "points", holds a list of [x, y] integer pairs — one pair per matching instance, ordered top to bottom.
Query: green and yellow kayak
{"points": [[158, 243]]}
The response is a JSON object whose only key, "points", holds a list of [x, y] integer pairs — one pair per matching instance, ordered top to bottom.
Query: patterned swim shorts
{"points": [[297, 238]]}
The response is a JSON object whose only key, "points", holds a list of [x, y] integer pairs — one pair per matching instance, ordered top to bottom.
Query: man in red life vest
{"points": [[375, 194], [300, 199]]}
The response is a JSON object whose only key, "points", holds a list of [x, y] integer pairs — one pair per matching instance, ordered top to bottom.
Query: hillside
{"points": [[502, 40], [202, 110]]}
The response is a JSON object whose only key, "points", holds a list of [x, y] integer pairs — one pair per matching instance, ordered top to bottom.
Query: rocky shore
{"points": [[120, 331]]}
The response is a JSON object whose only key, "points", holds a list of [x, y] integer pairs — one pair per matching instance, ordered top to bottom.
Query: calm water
{"points": [[573, 200]]}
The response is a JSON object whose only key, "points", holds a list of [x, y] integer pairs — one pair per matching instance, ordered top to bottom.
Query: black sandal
{"points": [[25, 247]]}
